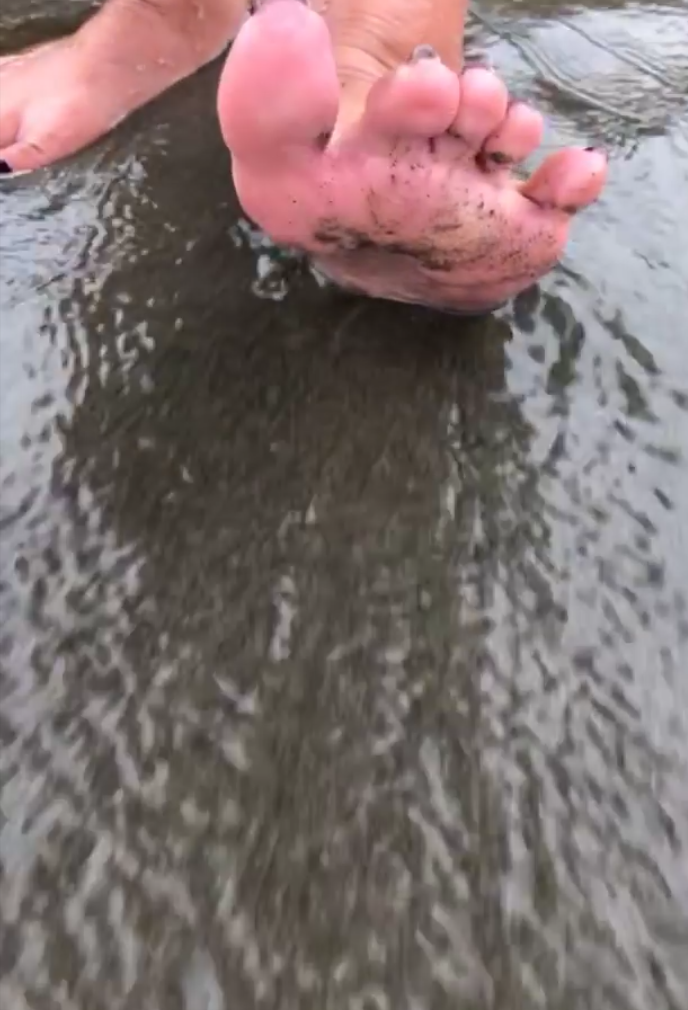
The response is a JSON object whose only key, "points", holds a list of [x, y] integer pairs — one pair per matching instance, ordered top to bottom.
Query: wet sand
{"points": [[343, 646]]}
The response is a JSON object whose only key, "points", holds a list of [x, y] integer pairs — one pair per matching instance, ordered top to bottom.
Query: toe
{"points": [[279, 88], [419, 99], [482, 108], [9, 126], [519, 134], [21, 157], [568, 180]]}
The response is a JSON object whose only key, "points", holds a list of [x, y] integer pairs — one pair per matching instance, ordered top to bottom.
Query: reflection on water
{"points": [[341, 644]]}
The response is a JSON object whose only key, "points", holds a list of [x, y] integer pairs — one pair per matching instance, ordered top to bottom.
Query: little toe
{"points": [[279, 89], [419, 99], [482, 107], [519, 134], [22, 157], [568, 180]]}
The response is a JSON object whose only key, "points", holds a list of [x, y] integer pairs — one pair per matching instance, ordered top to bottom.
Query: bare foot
{"points": [[62, 96], [401, 190]]}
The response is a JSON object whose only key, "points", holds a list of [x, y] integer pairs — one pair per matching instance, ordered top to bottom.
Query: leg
{"points": [[59, 97], [386, 165]]}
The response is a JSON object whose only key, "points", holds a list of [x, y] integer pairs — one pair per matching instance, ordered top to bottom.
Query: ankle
{"points": [[195, 24]]}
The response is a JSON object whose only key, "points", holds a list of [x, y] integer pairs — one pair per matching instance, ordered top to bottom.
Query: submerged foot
{"points": [[62, 96], [409, 194]]}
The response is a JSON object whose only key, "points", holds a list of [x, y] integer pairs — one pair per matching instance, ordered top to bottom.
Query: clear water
{"points": [[344, 646]]}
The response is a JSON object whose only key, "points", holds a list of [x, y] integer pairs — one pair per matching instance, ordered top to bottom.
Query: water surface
{"points": [[343, 645]]}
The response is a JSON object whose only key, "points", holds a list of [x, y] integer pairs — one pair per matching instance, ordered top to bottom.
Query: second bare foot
{"points": [[61, 96]]}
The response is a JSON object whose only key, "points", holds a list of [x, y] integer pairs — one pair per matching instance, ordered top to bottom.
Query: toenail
{"points": [[423, 53], [477, 61], [499, 158], [5, 169]]}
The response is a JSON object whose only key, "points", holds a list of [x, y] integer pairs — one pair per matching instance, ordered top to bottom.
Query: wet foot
{"points": [[59, 97], [403, 191]]}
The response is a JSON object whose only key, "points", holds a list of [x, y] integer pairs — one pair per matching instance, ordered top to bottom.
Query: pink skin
{"points": [[58, 98], [405, 202]]}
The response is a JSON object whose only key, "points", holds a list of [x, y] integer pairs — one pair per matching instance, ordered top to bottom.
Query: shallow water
{"points": [[343, 645]]}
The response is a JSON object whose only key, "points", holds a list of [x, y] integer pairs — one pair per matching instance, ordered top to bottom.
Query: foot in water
{"points": [[59, 97], [401, 189]]}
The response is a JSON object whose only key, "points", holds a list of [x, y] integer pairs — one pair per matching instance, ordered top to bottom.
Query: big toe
{"points": [[278, 92], [568, 180]]}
